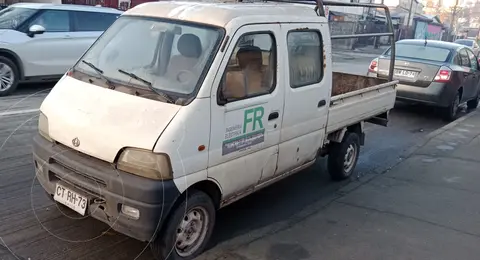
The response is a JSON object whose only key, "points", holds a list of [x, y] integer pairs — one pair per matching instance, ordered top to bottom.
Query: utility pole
{"points": [[410, 13], [454, 13]]}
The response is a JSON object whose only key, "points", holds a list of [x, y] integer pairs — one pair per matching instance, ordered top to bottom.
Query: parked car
{"points": [[40, 42], [469, 43], [442, 74]]}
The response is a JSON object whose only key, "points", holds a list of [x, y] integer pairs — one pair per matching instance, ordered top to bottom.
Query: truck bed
{"points": [[357, 98]]}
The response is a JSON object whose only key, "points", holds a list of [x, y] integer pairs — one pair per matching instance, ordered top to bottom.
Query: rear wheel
{"points": [[9, 76], [450, 113], [343, 156], [188, 229]]}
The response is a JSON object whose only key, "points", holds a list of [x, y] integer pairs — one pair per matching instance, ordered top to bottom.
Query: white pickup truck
{"points": [[182, 108]]}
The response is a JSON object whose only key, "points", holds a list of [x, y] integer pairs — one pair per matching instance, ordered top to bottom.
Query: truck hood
{"points": [[104, 121]]}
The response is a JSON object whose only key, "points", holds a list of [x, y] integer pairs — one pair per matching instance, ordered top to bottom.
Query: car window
{"points": [[53, 21], [93, 21], [468, 43], [419, 51], [305, 58], [472, 58], [456, 60], [464, 60], [252, 67]]}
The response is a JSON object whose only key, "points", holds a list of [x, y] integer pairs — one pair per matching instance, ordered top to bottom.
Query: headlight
{"points": [[43, 127], [146, 164]]}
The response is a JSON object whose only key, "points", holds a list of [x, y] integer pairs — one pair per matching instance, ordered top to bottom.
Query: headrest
{"points": [[189, 45]]}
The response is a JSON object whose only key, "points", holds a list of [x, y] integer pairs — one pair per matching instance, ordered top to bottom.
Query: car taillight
{"points": [[373, 66], [443, 75]]}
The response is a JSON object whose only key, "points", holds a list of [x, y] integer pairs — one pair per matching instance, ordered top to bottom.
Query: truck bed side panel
{"points": [[359, 102]]}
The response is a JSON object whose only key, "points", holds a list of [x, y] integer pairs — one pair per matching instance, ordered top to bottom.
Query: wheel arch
{"points": [[15, 59]]}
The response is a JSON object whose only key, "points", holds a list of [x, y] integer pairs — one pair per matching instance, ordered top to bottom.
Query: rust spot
{"points": [[201, 148]]}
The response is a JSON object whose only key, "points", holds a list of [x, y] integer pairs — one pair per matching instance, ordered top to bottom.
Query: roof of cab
{"points": [[67, 7], [220, 14]]}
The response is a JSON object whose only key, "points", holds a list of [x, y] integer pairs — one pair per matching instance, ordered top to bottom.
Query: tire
{"points": [[8, 69], [473, 104], [450, 113], [343, 157], [166, 245]]}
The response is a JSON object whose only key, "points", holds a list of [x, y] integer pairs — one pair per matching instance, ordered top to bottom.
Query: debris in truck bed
{"points": [[343, 83]]}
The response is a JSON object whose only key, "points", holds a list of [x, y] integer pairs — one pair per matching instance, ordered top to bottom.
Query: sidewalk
{"points": [[427, 207]]}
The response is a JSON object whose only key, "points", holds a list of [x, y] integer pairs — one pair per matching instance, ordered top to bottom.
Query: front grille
{"points": [[80, 175]]}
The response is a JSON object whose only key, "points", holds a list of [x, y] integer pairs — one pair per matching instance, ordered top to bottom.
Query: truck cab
{"points": [[180, 109]]}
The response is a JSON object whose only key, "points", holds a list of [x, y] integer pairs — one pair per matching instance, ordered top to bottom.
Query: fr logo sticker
{"points": [[243, 135]]}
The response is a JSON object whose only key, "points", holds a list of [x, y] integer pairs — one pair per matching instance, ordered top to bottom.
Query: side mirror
{"points": [[35, 29]]}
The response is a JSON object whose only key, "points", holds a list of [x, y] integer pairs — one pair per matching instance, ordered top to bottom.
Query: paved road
{"points": [[32, 227]]}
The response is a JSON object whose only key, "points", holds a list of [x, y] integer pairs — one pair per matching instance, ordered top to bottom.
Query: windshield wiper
{"points": [[100, 73], [149, 85]]}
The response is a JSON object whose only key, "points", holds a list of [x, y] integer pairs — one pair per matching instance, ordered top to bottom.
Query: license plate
{"points": [[405, 73], [71, 199]]}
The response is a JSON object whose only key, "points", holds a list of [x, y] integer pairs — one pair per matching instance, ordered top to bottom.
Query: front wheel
{"points": [[9, 76], [343, 156], [188, 229]]}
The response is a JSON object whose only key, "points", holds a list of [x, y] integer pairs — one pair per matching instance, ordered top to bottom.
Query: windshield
{"points": [[12, 17], [465, 42], [420, 52], [163, 55]]}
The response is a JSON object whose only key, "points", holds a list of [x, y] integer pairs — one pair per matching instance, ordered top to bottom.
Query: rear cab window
{"points": [[415, 51], [305, 57]]}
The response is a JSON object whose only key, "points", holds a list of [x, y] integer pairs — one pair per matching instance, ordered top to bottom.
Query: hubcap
{"points": [[6, 77], [350, 157], [191, 232]]}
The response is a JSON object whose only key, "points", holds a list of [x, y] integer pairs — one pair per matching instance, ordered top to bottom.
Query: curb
{"points": [[434, 134]]}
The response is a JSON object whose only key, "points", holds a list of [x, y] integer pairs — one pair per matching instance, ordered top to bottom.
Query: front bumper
{"points": [[106, 188]]}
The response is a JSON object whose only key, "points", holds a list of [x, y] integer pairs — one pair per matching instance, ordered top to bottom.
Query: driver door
{"points": [[52, 52], [247, 110]]}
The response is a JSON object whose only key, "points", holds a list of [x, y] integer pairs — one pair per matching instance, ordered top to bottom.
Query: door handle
{"points": [[67, 37], [465, 74], [322, 103], [272, 116]]}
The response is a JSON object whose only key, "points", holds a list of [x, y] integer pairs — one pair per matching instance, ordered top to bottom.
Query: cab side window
{"points": [[53, 21], [305, 57], [251, 70]]}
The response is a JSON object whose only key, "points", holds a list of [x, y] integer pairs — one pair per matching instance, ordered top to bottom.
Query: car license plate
{"points": [[405, 73], [71, 199]]}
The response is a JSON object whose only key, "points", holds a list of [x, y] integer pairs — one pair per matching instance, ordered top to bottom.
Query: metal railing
{"points": [[319, 9]]}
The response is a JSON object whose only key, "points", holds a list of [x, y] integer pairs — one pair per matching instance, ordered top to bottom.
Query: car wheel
{"points": [[9, 76], [473, 104], [450, 113], [343, 157], [188, 229]]}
